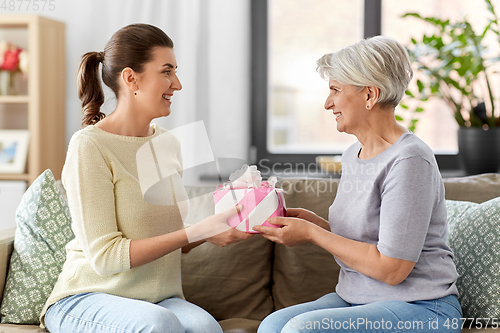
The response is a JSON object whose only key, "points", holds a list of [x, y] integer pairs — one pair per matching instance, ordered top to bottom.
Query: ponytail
{"points": [[89, 88]]}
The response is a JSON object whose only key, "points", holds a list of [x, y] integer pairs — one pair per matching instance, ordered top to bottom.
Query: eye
{"points": [[169, 71]]}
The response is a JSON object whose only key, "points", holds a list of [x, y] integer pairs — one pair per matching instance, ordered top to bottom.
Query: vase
{"points": [[7, 86], [479, 149]]}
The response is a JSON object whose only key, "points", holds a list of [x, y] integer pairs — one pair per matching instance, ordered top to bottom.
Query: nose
{"points": [[176, 83], [329, 103]]}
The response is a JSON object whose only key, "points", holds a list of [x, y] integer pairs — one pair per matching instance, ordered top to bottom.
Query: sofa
{"points": [[242, 283]]}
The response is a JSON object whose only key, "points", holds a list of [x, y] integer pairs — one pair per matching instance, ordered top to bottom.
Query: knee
{"points": [[161, 320], [202, 322], [273, 323], [209, 326], [291, 326]]}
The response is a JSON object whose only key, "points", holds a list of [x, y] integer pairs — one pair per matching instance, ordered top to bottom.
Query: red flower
{"points": [[11, 60]]}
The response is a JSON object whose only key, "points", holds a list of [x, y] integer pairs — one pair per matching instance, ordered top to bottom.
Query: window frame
{"points": [[259, 87]]}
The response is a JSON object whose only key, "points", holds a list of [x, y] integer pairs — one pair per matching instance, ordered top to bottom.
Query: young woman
{"points": [[387, 226], [123, 269]]}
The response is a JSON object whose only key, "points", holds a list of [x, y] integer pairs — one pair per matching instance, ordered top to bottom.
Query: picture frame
{"points": [[13, 151]]}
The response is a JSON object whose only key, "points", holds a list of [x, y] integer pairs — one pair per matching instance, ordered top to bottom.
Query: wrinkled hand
{"points": [[309, 216], [213, 226], [292, 230], [229, 237]]}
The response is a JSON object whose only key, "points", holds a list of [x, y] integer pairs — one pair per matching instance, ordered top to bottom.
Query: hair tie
{"points": [[100, 56]]}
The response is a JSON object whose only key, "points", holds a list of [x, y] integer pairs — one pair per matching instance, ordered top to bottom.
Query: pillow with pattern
{"points": [[43, 229], [474, 236]]}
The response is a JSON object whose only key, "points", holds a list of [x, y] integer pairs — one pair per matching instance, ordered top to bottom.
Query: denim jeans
{"points": [[100, 312], [331, 313]]}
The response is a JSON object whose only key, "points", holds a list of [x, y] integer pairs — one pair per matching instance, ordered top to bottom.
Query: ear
{"points": [[129, 78], [372, 96]]}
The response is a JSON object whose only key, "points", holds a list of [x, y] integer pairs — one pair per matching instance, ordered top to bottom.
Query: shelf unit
{"points": [[44, 100]]}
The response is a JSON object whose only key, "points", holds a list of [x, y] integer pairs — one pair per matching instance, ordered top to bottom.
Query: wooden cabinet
{"points": [[40, 105]]}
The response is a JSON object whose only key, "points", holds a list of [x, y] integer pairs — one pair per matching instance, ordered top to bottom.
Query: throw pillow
{"points": [[43, 229], [474, 236]]}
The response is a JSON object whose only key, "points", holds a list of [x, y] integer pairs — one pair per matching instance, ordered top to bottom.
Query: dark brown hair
{"points": [[131, 46]]}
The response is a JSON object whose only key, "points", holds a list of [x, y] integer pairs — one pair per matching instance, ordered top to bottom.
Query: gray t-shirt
{"points": [[395, 200]]}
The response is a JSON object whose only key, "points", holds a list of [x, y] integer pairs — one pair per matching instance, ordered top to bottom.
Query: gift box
{"points": [[259, 199]]}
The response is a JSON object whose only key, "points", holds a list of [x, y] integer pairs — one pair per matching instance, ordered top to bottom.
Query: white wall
{"points": [[212, 45]]}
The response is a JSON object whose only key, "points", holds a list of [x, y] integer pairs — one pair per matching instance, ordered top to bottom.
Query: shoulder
{"points": [[86, 134], [85, 142], [409, 146], [414, 154]]}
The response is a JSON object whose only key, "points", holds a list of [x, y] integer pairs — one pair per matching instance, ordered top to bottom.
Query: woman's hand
{"points": [[307, 215], [211, 226], [214, 229], [292, 230], [228, 237]]}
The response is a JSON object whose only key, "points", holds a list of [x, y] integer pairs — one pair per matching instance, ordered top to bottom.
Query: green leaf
{"points": [[420, 86], [409, 93], [413, 124]]}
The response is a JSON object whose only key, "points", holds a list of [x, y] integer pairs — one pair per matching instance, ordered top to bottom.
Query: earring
{"points": [[135, 94], [367, 106]]}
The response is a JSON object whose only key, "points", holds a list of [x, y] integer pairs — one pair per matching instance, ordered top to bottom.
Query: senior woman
{"points": [[387, 226]]}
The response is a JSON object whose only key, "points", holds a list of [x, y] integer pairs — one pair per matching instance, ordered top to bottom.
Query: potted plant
{"points": [[455, 66]]}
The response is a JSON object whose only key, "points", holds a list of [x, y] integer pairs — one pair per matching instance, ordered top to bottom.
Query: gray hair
{"points": [[378, 61]]}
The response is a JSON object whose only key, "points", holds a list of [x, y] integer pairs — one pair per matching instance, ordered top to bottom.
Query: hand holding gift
{"points": [[260, 199], [296, 228], [215, 229], [291, 230]]}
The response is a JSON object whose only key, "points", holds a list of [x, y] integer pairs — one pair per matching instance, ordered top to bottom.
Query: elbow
{"points": [[109, 258], [106, 264], [101, 269], [395, 271], [394, 278]]}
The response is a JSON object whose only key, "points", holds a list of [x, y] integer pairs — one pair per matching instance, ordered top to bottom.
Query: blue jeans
{"points": [[99, 312], [331, 313]]}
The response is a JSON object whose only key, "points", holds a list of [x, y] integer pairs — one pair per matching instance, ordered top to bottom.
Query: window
{"points": [[289, 123]]}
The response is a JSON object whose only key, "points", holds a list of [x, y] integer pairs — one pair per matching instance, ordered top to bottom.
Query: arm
{"points": [[90, 187], [407, 201], [308, 216], [213, 229], [223, 239], [190, 246], [144, 251], [362, 257]]}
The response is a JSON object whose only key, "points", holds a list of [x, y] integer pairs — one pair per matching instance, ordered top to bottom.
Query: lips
{"points": [[167, 97], [337, 115]]}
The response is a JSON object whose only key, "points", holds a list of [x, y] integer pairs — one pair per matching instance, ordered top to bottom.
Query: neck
{"points": [[127, 120], [381, 131]]}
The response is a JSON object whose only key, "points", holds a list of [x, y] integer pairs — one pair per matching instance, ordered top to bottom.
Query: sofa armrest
{"points": [[6, 247]]}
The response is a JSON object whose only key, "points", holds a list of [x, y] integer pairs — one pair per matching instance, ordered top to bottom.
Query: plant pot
{"points": [[479, 149]]}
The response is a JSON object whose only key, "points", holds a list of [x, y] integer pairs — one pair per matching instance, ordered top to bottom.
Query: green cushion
{"points": [[43, 229], [474, 236]]}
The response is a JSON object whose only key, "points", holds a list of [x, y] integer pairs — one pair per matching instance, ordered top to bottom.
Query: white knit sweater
{"points": [[108, 210]]}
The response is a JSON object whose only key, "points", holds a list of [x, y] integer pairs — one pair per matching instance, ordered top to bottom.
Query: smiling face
{"points": [[157, 83], [348, 104]]}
